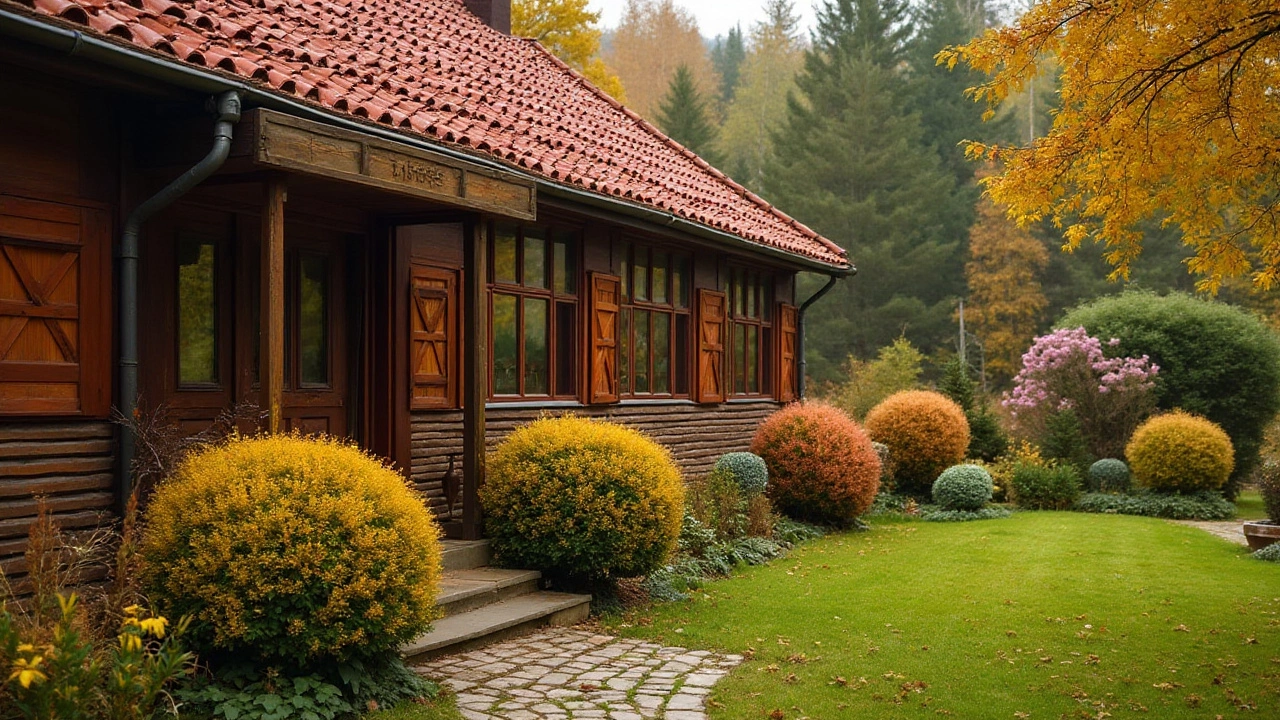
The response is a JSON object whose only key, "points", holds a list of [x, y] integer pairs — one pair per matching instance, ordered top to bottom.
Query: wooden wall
{"points": [[695, 434], [70, 464]]}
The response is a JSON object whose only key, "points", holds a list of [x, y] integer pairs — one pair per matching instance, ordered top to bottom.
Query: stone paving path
{"points": [[1230, 530], [563, 673]]}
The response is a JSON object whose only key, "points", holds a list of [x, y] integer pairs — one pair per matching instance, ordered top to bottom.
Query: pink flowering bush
{"points": [[1068, 370]]}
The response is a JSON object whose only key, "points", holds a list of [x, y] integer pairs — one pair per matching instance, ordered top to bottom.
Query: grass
{"points": [[1249, 506], [1043, 615], [443, 708]]}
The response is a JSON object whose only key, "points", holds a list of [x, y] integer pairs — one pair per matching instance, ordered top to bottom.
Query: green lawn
{"points": [[1249, 506], [1043, 615]]}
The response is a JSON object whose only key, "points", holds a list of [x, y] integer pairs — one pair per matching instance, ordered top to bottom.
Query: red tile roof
{"points": [[432, 68]]}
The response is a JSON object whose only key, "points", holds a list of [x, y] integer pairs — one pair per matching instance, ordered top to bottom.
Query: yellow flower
{"points": [[154, 626], [130, 642], [27, 671]]}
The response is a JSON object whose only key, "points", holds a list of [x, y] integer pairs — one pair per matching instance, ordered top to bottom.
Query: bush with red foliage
{"points": [[926, 433], [822, 467]]}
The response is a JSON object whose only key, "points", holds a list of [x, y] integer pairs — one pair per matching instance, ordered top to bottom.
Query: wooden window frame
{"points": [[762, 284], [554, 299], [629, 304]]}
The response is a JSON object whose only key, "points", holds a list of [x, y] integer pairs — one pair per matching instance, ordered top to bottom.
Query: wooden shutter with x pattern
{"points": [[55, 309], [711, 316], [432, 318], [604, 337], [787, 367]]}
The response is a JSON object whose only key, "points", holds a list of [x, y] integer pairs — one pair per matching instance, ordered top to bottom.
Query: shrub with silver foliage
{"points": [[746, 469], [1109, 475], [963, 487]]}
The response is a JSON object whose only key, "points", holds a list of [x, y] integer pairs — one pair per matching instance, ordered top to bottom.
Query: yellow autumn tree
{"points": [[569, 29], [654, 38], [1167, 109], [1005, 297]]}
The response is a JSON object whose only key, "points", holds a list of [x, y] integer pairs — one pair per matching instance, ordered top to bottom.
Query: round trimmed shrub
{"points": [[1216, 360], [926, 434], [1179, 452], [822, 467], [746, 469], [1109, 475], [1268, 479], [963, 487], [1045, 487], [582, 499], [292, 549]]}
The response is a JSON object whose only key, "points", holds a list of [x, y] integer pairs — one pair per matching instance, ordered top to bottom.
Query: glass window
{"points": [[504, 254], [640, 276], [659, 278], [680, 281], [751, 293], [197, 313], [535, 315], [313, 321], [654, 349], [624, 351], [661, 353], [506, 359], [641, 373]]}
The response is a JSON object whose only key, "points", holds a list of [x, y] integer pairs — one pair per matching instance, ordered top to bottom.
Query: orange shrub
{"points": [[926, 434], [822, 467]]}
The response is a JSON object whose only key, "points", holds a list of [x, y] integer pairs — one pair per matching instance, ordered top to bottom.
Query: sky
{"points": [[715, 17]]}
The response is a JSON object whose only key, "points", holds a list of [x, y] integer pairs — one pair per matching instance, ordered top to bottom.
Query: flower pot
{"points": [[1261, 533]]}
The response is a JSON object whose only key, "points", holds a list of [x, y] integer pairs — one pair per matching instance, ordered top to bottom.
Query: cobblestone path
{"points": [[1229, 530], [563, 673]]}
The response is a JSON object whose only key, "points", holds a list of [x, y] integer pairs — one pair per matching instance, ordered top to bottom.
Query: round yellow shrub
{"points": [[926, 433], [1180, 452], [581, 498], [292, 549]]}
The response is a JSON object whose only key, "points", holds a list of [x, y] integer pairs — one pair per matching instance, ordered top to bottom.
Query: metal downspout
{"points": [[227, 107], [800, 344]]}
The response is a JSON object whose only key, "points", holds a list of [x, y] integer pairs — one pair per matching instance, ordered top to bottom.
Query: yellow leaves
{"points": [[1165, 110], [27, 670]]}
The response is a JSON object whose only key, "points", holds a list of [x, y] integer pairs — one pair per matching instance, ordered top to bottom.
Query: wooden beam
{"points": [[271, 327], [475, 384]]}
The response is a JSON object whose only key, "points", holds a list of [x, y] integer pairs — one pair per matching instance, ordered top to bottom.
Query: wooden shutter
{"points": [[55, 309], [711, 314], [432, 321], [787, 325], [604, 338]]}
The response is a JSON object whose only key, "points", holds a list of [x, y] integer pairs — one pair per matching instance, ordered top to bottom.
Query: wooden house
{"points": [[386, 220]]}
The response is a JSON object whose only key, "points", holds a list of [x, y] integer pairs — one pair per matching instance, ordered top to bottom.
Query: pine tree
{"points": [[727, 57], [682, 115], [851, 163]]}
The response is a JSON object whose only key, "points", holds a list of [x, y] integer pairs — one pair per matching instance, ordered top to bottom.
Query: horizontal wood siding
{"points": [[696, 436], [70, 464]]}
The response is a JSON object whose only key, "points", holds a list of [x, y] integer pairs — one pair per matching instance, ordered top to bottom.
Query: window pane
{"points": [[504, 253], [535, 258], [624, 269], [640, 276], [659, 277], [565, 281], [680, 281], [753, 290], [739, 291], [767, 295], [197, 313], [313, 320], [566, 349], [624, 351], [642, 351], [661, 353], [753, 357], [739, 358], [681, 359], [766, 360], [536, 362], [506, 380]]}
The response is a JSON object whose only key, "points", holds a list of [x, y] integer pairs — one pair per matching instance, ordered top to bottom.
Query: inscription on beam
{"points": [[311, 148]]}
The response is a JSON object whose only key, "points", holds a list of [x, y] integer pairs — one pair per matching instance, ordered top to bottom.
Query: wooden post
{"points": [[271, 326], [475, 388]]}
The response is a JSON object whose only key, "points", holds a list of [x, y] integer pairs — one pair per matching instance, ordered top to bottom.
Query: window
{"points": [[534, 301], [197, 313], [653, 322], [750, 332]]}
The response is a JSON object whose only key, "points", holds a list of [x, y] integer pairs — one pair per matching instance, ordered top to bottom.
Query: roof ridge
{"points": [[686, 152]]}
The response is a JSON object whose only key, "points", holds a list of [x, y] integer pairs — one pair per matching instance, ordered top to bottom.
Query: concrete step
{"points": [[464, 554], [463, 590], [498, 621]]}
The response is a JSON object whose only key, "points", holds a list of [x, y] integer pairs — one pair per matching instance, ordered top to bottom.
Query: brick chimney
{"points": [[495, 13]]}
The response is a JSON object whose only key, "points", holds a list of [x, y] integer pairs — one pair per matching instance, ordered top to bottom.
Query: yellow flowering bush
{"points": [[1180, 452], [583, 499], [295, 549]]}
